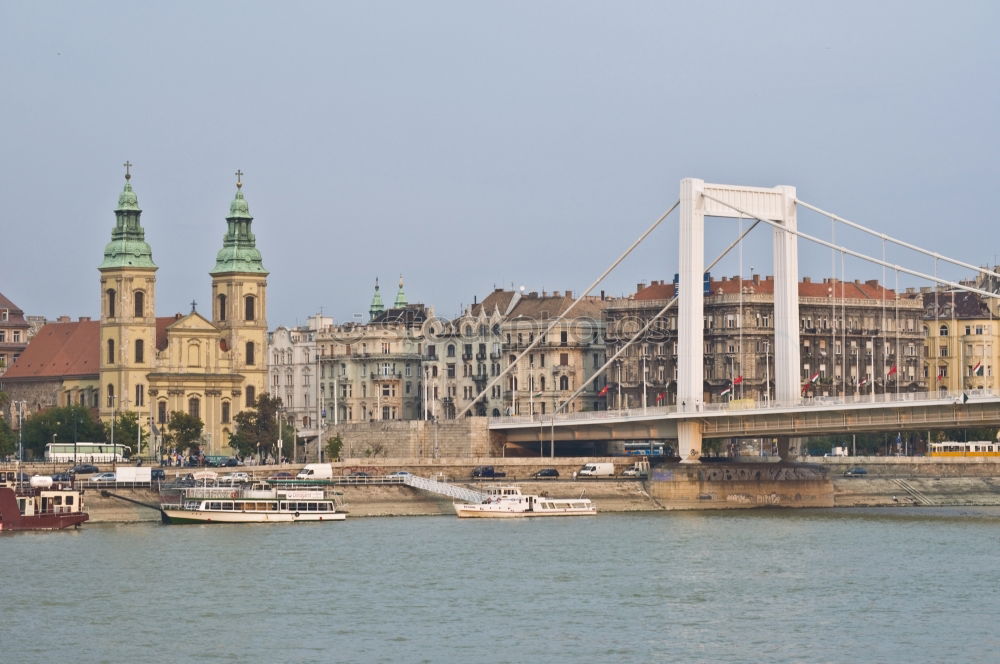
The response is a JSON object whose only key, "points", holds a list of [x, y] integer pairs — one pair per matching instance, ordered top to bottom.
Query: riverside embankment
{"points": [[889, 481]]}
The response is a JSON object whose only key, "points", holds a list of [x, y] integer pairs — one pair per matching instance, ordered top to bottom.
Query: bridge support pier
{"points": [[689, 441], [783, 447]]}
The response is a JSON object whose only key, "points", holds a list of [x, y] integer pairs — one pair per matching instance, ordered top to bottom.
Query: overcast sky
{"points": [[468, 145]]}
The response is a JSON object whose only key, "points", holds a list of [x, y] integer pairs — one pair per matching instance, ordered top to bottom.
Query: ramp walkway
{"points": [[444, 489], [916, 495]]}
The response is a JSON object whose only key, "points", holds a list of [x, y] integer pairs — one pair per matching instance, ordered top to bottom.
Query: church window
{"points": [[139, 301], [111, 302], [221, 304], [249, 308], [943, 331], [139, 350], [111, 351], [250, 353], [194, 355], [563, 382], [139, 394], [111, 395], [251, 396], [194, 407], [161, 412], [225, 412]]}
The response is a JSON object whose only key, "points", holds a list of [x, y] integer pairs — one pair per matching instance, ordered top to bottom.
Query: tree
{"points": [[63, 424], [257, 428], [127, 430], [185, 431], [8, 441], [333, 447]]}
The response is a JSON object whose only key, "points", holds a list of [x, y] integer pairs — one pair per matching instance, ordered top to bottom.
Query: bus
{"points": [[974, 448], [643, 449], [86, 452]]}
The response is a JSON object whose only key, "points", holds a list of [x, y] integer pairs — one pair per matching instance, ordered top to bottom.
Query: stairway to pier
{"points": [[444, 489]]}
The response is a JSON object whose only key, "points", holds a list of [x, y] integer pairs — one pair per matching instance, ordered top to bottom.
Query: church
{"points": [[211, 367]]}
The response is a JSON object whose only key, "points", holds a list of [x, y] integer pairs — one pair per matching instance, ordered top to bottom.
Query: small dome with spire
{"points": [[128, 200], [400, 295], [376, 306]]}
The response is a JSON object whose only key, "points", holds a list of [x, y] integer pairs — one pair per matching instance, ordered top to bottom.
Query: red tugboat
{"points": [[39, 504]]}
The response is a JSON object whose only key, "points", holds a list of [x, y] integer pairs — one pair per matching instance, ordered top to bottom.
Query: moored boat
{"points": [[508, 502], [260, 503], [40, 506]]}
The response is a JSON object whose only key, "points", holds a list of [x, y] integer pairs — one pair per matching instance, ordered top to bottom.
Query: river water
{"points": [[862, 585]]}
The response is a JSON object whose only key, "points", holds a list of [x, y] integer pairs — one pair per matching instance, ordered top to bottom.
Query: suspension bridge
{"points": [[789, 413]]}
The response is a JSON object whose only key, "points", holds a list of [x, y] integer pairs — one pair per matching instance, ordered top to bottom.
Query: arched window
{"points": [[111, 302], [140, 304], [221, 304], [249, 307], [943, 331], [139, 350], [451, 350], [111, 351], [250, 357], [563, 382], [541, 383], [111, 395], [139, 395], [251, 396], [194, 407], [161, 412], [225, 412]]}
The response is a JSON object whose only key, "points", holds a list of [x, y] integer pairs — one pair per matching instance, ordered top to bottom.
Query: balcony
{"points": [[386, 376]]}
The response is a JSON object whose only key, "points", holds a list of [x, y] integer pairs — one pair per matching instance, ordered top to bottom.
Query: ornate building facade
{"points": [[856, 337], [210, 367]]}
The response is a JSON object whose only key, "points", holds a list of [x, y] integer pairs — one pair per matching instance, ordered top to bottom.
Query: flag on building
{"points": [[978, 369], [892, 371], [940, 376], [813, 378], [737, 380], [863, 382], [604, 390], [726, 391], [536, 395], [661, 396], [152, 426]]}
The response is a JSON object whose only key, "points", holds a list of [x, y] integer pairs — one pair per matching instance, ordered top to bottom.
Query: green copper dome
{"points": [[128, 247], [239, 251], [400, 295], [376, 307]]}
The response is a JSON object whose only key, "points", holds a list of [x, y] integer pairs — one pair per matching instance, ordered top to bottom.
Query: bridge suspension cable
{"points": [[902, 243], [857, 254], [649, 324], [544, 335]]}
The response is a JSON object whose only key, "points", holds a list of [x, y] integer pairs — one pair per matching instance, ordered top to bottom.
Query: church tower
{"points": [[239, 301], [376, 307], [128, 314]]}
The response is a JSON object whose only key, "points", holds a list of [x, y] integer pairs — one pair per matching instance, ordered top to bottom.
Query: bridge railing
{"points": [[748, 405]]}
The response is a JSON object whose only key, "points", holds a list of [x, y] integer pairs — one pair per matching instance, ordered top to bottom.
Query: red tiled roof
{"points": [[851, 290], [60, 349]]}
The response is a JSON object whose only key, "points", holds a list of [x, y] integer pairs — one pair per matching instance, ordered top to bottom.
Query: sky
{"points": [[473, 145]]}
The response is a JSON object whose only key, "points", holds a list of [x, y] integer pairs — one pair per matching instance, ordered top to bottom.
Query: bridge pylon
{"points": [[698, 200]]}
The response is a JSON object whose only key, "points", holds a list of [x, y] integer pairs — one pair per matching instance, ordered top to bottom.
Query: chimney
{"points": [[756, 278], [806, 280], [639, 286], [555, 293], [569, 293], [602, 296], [63, 319], [84, 319]]}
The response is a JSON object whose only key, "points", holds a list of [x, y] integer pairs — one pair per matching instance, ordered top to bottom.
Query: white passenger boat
{"points": [[508, 501], [259, 503]]}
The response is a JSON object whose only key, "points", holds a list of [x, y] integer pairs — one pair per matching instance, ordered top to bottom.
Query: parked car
{"points": [[84, 469], [487, 471], [855, 472], [400, 473], [546, 473], [158, 474], [359, 474], [283, 475], [62, 477], [103, 478], [236, 478]]}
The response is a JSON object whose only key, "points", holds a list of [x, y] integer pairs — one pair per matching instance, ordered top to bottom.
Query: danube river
{"points": [[864, 585]]}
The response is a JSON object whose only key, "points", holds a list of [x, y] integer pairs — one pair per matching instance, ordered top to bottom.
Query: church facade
{"points": [[211, 367]]}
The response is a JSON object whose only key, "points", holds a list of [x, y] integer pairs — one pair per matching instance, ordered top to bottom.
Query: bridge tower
{"points": [[698, 200]]}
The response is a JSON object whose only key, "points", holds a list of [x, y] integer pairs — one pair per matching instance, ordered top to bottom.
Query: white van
{"points": [[597, 470], [316, 471]]}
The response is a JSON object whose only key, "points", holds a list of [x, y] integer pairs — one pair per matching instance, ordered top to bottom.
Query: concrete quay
{"points": [[890, 481]]}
